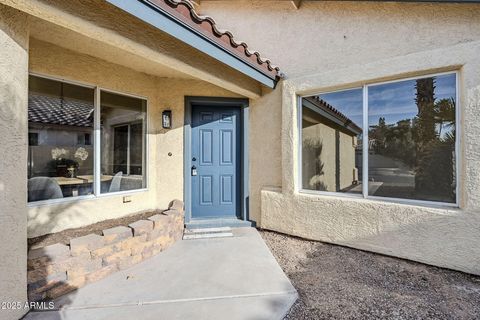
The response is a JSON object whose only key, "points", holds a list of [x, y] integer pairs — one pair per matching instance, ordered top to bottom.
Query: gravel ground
{"points": [[336, 282]]}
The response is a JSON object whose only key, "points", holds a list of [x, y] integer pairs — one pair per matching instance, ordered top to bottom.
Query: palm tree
{"points": [[445, 113], [425, 134]]}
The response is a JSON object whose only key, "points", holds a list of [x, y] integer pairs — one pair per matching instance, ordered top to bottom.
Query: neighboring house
{"points": [[182, 109], [325, 128]]}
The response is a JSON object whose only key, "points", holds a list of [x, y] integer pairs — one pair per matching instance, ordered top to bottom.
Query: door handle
{"points": [[194, 171]]}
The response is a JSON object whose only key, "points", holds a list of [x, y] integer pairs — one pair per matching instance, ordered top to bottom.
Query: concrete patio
{"points": [[219, 278]]}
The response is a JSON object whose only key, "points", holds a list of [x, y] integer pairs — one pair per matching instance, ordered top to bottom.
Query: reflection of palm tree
{"points": [[425, 99], [445, 113], [425, 133], [314, 147], [434, 173]]}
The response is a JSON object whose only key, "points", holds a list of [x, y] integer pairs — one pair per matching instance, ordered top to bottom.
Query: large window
{"points": [[62, 121], [405, 131], [331, 142]]}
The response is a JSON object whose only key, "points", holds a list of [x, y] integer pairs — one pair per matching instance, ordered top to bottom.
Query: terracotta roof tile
{"points": [[184, 11], [322, 104], [53, 110]]}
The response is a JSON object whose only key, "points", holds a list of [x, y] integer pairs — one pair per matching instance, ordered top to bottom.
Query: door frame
{"points": [[240, 103]]}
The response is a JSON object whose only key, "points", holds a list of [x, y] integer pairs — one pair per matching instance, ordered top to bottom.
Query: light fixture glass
{"points": [[167, 119]]}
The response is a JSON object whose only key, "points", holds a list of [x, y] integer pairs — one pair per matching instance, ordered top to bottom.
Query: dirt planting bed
{"points": [[65, 236]]}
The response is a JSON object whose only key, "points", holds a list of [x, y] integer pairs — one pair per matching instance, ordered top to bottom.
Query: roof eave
{"points": [[161, 20], [345, 123]]}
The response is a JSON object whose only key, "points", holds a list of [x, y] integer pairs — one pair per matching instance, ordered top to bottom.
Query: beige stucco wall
{"points": [[106, 31], [329, 35], [333, 45], [344, 45], [316, 133], [324, 135], [13, 141], [347, 160], [164, 173], [436, 235]]}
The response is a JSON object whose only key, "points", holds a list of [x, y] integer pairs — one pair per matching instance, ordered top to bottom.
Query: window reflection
{"points": [[60, 123], [412, 139], [123, 142], [332, 142]]}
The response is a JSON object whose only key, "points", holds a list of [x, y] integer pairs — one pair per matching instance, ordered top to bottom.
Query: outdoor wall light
{"points": [[167, 119]]}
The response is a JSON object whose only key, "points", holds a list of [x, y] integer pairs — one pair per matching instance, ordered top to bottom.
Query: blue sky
{"points": [[394, 101], [348, 102]]}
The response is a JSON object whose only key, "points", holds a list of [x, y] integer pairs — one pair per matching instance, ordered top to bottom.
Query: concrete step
{"points": [[217, 223], [208, 230], [207, 233]]}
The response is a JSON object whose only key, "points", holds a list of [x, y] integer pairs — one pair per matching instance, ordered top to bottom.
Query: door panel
{"points": [[206, 147], [226, 147], [215, 154]]}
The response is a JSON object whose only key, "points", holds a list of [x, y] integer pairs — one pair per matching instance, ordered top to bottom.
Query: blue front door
{"points": [[215, 163]]}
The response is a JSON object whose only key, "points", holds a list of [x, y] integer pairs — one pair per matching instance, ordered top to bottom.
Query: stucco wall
{"points": [[106, 31], [329, 35], [332, 45], [321, 47], [325, 136], [13, 141], [347, 160], [265, 165], [164, 172], [436, 235]]}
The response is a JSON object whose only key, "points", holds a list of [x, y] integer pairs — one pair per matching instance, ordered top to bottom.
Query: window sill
{"points": [[380, 200], [59, 201]]}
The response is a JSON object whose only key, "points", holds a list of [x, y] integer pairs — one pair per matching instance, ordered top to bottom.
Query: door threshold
{"points": [[218, 223]]}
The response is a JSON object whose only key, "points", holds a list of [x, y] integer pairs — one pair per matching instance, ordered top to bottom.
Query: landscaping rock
{"points": [[176, 205], [160, 221], [141, 227], [117, 234], [86, 244], [53, 251], [42, 257], [113, 258], [88, 266], [58, 269], [101, 273]]}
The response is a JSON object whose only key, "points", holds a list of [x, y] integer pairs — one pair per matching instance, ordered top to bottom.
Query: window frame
{"points": [[365, 86], [96, 142]]}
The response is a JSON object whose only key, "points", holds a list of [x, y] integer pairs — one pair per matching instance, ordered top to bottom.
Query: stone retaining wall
{"points": [[58, 269]]}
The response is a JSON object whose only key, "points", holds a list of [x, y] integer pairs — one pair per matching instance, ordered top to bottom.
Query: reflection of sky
{"points": [[394, 101], [348, 102]]}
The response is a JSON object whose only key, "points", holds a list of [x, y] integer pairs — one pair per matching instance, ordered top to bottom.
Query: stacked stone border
{"points": [[58, 269]]}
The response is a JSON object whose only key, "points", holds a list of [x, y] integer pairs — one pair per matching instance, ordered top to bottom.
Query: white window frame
{"points": [[97, 143], [364, 195]]}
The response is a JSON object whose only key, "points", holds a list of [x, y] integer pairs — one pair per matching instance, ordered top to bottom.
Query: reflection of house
{"points": [[59, 128], [325, 129]]}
